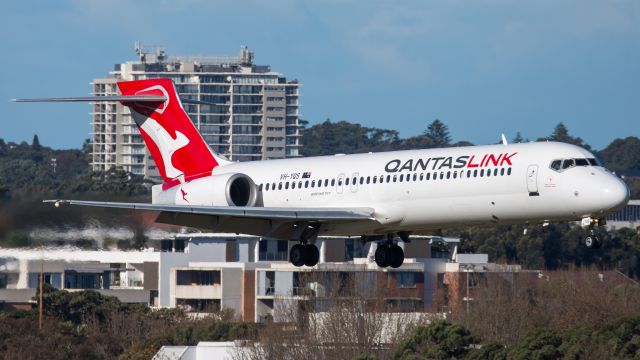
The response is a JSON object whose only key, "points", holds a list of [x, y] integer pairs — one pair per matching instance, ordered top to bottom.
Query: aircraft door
{"points": [[532, 180], [354, 182], [340, 183]]}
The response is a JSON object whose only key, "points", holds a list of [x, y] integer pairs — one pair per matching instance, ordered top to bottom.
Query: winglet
{"points": [[504, 140]]}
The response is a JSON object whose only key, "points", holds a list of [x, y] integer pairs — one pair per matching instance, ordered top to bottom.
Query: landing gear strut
{"points": [[592, 241], [389, 254]]}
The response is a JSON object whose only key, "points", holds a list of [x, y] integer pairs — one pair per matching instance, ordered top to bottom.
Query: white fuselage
{"points": [[439, 187]]}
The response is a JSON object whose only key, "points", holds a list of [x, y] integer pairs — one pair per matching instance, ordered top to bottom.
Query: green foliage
{"points": [[438, 133], [561, 133], [345, 138], [623, 156], [556, 246], [85, 324], [439, 340], [540, 344], [490, 351]]}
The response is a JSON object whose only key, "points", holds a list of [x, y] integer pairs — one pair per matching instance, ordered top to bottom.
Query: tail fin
{"points": [[173, 141]]}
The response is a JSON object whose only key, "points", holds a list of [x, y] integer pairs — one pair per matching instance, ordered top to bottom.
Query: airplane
{"points": [[383, 197]]}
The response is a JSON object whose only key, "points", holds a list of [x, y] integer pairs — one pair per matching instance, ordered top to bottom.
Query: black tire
{"points": [[297, 255], [312, 255], [382, 255], [397, 256]]}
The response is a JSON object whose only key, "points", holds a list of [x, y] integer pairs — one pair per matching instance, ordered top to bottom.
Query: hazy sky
{"points": [[482, 67]]}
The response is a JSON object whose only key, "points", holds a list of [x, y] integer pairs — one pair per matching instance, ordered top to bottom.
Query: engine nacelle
{"points": [[233, 189]]}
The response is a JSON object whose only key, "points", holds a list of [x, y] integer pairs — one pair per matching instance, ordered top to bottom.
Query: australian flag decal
{"points": [[306, 175]]}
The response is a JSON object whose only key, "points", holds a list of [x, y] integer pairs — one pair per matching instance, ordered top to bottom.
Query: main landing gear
{"points": [[592, 241], [304, 254], [389, 254]]}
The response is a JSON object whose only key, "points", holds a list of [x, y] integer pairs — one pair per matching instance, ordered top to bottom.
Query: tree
{"points": [[439, 133], [561, 134], [518, 138], [36, 143], [623, 156], [439, 340], [538, 344]]}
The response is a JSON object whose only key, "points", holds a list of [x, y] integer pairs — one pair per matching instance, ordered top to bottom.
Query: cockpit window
{"points": [[568, 163], [561, 165]]}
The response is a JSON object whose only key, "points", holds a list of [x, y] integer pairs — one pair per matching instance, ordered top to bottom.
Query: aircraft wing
{"points": [[265, 221]]}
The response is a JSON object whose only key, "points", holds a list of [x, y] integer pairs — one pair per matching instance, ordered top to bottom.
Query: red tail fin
{"points": [[176, 146]]}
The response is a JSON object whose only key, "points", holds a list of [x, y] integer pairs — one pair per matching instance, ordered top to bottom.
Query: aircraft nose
{"points": [[616, 193]]}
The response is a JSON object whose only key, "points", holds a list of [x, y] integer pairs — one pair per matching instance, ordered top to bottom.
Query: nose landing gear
{"points": [[592, 241]]}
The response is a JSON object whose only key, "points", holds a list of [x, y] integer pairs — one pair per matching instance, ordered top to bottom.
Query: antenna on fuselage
{"points": [[504, 140]]}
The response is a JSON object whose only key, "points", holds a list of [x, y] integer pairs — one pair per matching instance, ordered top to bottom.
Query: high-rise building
{"points": [[245, 111]]}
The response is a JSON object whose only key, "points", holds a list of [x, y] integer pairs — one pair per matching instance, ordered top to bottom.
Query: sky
{"points": [[482, 67]]}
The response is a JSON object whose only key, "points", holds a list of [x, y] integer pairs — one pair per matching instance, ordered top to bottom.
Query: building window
{"points": [[198, 277], [406, 279]]}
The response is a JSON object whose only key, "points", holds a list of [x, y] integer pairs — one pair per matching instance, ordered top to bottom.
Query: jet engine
{"points": [[232, 189]]}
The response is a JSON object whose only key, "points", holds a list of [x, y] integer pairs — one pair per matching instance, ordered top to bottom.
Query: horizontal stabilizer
{"points": [[132, 98]]}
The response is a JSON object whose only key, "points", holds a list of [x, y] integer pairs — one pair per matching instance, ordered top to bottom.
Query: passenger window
{"points": [[568, 163], [555, 165], [509, 171], [488, 172], [495, 172], [502, 172], [468, 173], [475, 173], [482, 173], [455, 174], [442, 175], [448, 175], [415, 176], [421, 176], [428, 176], [388, 178], [395, 178], [375, 179], [355, 180], [361, 180], [368, 180], [326, 182], [333, 182], [339, 182], [346, 182], [313, 183], [293, 184], [299, 184], [306, 184], [286, 185], [267, 186], [273, 186], [280, 186], [260, 187]]}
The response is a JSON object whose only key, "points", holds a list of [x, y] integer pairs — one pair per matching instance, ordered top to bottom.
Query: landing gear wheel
{"points": [[593, 242], [297, 255], [312, 255], [383, 256], [397, 256]]}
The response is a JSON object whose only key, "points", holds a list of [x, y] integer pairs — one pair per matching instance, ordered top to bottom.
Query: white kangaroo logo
{"points": [[166, 144]]}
